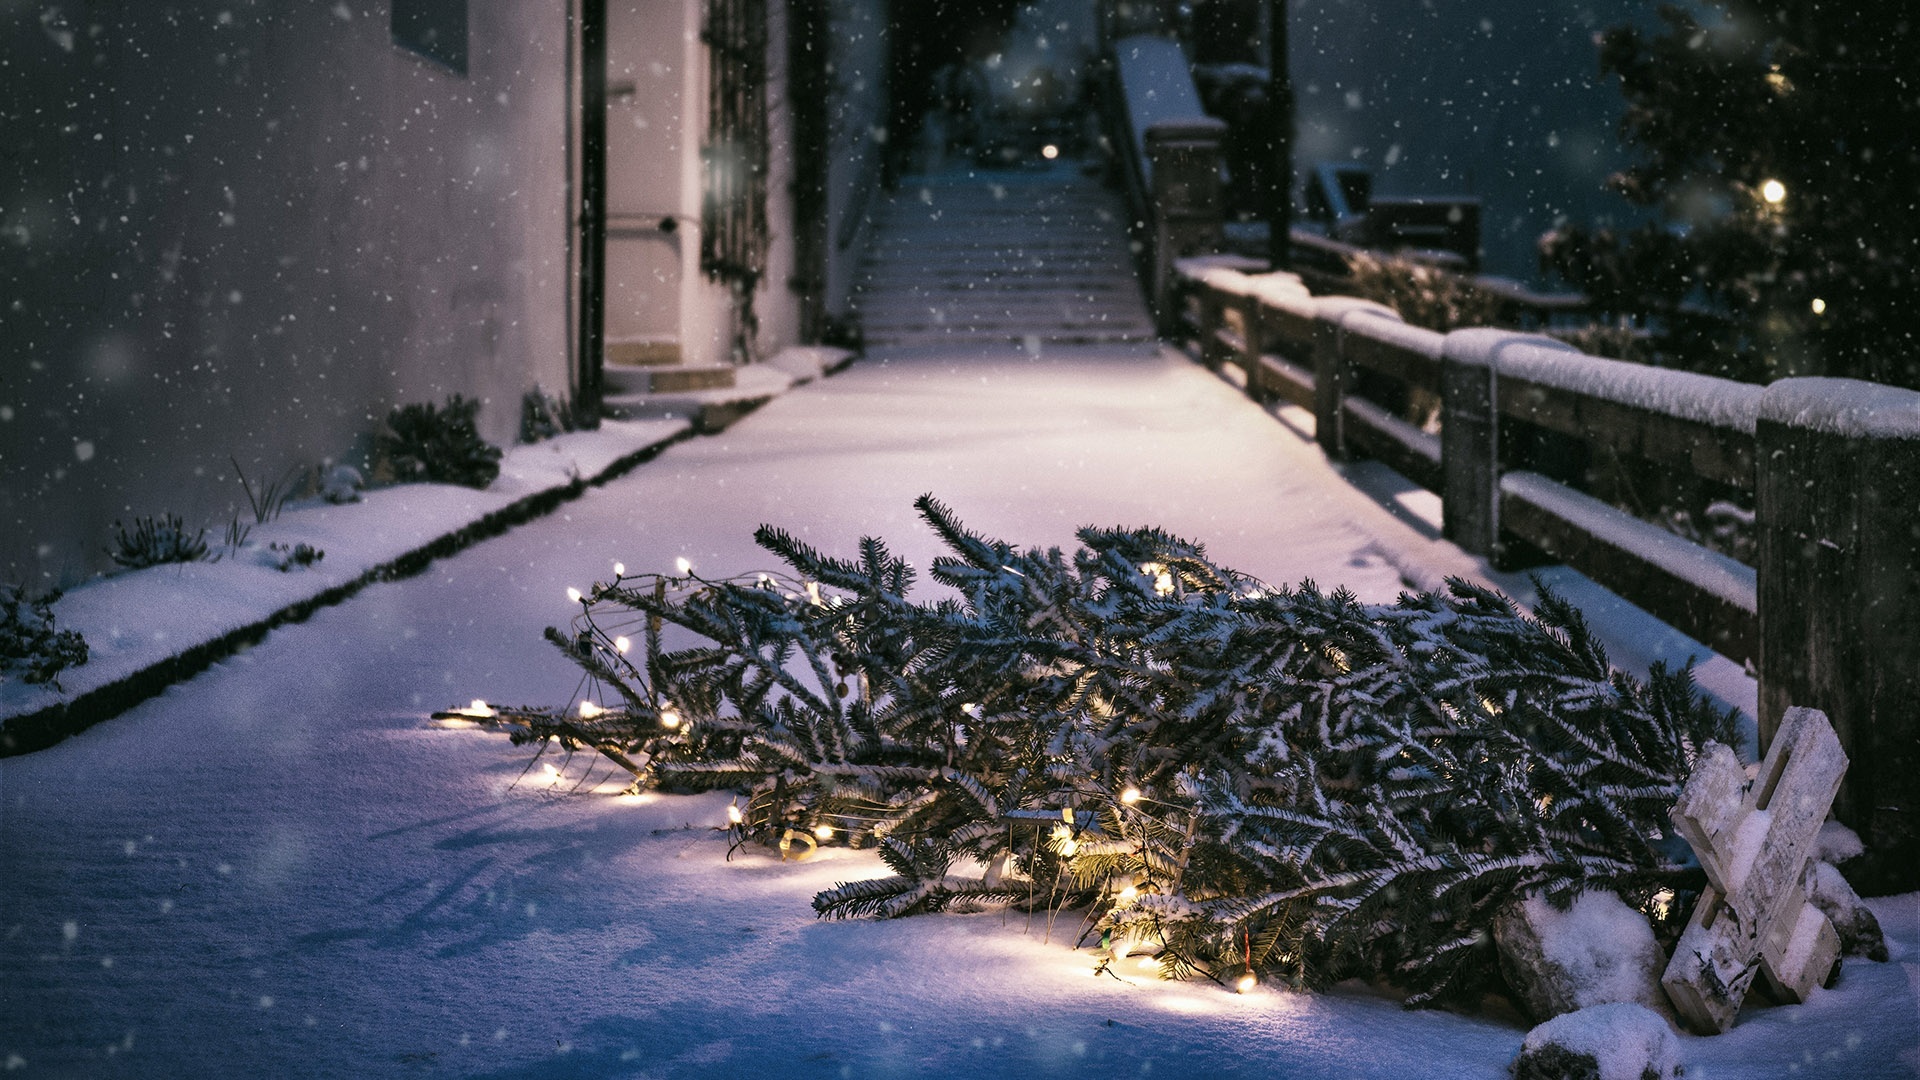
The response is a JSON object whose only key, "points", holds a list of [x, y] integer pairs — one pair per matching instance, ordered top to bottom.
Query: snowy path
{"points": [[282, 868]]}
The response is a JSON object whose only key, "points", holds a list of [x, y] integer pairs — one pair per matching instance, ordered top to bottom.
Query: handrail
{"points": [[1829, 613]]}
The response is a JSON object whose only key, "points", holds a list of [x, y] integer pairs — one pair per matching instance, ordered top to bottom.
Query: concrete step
{"points": [[643, 352], [630, 379]]}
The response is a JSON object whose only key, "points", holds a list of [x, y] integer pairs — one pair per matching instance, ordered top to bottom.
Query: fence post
{"points": [[1184, 159], [1213, 319], [1332, 373], [1470, 440], [1837, 467]]}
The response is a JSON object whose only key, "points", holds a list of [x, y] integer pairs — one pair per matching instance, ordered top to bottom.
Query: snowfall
{"points": [[283, 867]]}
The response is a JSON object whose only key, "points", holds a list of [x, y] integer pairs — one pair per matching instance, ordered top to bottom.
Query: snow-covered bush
{"points": [[1422, 295], [543, 416], [425, 442], [156, 541], [29, 642], [1234, 778]]}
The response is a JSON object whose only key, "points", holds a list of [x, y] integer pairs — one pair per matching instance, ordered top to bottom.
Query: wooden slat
{"points": [[1290, 332], [1410, 366], [1276, 377], [1713, 451], [1413, 453], [1701, 592]]}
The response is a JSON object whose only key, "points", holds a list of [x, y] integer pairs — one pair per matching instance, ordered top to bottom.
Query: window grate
{"points": [[733, 241]]}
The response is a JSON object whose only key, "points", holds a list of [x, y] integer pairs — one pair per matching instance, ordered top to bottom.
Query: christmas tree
{"points": [[1776, 141], [1231, 780]]}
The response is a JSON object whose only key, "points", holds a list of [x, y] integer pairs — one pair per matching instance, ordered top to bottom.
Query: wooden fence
{"points": [[1829, 615]]}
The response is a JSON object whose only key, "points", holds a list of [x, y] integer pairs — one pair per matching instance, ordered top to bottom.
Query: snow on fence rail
{"points": [[1830, 613]]}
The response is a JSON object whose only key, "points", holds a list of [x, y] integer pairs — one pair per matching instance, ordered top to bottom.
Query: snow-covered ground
{"points": [[283, 868]]}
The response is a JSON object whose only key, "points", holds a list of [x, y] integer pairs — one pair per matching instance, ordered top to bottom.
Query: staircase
{"points": [[993, 257]]}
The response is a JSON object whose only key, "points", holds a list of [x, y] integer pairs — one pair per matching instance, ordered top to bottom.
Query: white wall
{"points": [[250, 229]]}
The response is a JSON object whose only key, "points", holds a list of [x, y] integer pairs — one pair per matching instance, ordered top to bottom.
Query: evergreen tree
{"points": [[1780, 142], [1232, 779]]}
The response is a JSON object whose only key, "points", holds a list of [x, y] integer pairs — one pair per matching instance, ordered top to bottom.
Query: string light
{"points": [[1049, 151], [1774, 192], [1819, 306], [683, 566], [619, 569], [1162, 577], [573, 594], [623, 644], [479, 710], [588, 710], [669, 716], [1131, 795], [734, 816], [824, 832], [794, 836], [1063, 841], [1247, 981]]}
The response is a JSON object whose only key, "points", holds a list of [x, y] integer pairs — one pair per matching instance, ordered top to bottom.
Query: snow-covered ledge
{"points": [[146, 629]]}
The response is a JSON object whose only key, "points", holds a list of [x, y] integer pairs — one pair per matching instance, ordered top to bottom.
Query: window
{"points": [[436, 29]]}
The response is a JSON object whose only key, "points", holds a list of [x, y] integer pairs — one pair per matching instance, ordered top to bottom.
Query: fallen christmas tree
{"points": [[1233, 779]]}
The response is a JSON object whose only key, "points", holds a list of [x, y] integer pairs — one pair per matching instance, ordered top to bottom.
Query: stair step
{"points": [[645, 353], [629, 379]]}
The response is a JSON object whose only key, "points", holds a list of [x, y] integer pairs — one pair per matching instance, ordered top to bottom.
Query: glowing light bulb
{"points": [[1049, 151], [1774, 192], [1819, 306], [683, 566], [619, 569], [813, 593], [573, 594], [623, 644], [479, 708], [588, 710], [669, 717], [550, 770], [1131, 795], [734, 815], [824, 832], [1063, 841], [1129, 894], [1121, 947], [1245, 983]]}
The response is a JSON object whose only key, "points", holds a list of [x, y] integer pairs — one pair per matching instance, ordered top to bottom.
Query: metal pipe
{"points": [[1280, 134], [593, 208]]}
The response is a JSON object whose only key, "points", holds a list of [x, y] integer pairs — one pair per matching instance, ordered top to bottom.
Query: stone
{"points": [[1859, 930], [1599, 951], [1617, 1041]]}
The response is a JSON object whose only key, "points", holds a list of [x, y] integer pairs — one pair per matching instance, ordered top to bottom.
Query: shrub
{"points": [[543, 416], [425, 442], [155, 541], [29, 642]]}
